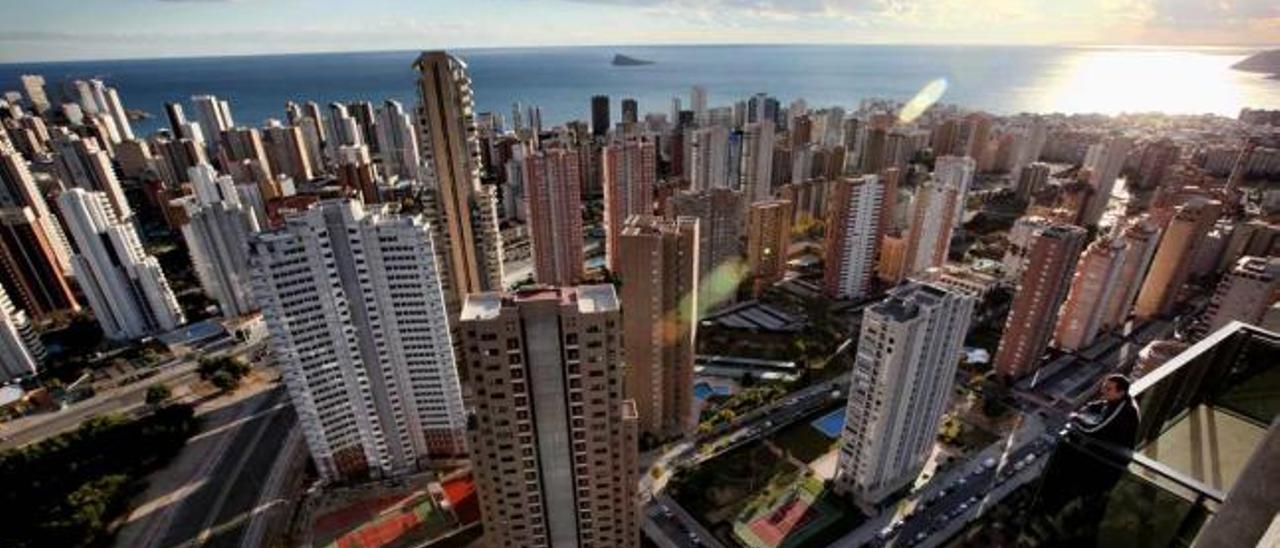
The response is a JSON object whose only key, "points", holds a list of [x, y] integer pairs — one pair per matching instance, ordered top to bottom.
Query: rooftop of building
{"points": [[588, 298]]}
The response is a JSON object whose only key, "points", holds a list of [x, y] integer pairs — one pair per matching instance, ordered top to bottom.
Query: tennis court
{"points": [[830, 424]]}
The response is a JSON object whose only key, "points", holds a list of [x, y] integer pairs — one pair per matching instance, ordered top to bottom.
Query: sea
{"points": [[561, 80]]}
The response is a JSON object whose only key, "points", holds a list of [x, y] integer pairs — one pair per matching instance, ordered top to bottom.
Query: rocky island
{"points": [[620, 60], [1267, 62]]}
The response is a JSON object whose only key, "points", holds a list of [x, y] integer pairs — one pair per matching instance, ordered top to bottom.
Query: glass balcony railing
{"points": [[1206, 427]]}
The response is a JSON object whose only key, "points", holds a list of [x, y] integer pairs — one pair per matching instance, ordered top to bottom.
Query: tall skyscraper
{"points": [[33, 85], [698, 102], [630, 111], [600, 115], [214, 117], [397, 142], [287, 152], [709, 158], [757, 161], [1104, 162], [82, 163], [630, 172], [956, 172], [1031, 179], [552, 184], [18, 190], [464, 214], [933, 219], [720, 224], [217, 230], [853, 232], [1141, 236], [768, 239], [1051, 261], [1171, 265], [29, 267], [659, 271], [1096, 280], [126, 289], [1245, 293], [353, 302], [21, 353], [901, 382], [553, 441]]}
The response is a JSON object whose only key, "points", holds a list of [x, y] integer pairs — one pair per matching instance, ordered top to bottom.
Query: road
{"points": [[124, 399], [210, 494], [952, 499]]}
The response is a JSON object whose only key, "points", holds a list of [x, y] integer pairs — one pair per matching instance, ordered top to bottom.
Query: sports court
{"points": [[794, 516]]}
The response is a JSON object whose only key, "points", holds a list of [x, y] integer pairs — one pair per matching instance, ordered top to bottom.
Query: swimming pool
{"points": [[830, 424]]}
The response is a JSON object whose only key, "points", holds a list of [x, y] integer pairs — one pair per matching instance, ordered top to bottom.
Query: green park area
{"points": [[69, 489]]}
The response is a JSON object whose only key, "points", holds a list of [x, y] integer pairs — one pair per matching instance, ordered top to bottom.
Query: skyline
{"points": [[137, 29]]}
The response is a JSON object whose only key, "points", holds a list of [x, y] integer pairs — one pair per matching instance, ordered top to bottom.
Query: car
{"points": [[989, 463], [978, 472], [962, 481], [666, 511]]}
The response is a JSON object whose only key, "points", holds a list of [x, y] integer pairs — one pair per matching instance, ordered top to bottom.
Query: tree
{"points": [[225, 381], [157, 394]]}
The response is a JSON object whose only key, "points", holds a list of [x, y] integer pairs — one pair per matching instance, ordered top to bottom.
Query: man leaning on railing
{"points": [[1095, 448]]}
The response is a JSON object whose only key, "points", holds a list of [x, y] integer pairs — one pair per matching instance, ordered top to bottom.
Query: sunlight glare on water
{"points": [[1172, 81]]}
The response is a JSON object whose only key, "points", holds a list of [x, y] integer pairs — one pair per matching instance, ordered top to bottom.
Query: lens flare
{"points": [[927, 96]]}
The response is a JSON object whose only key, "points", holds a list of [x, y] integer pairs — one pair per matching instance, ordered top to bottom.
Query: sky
{"points": [[50, 30]]}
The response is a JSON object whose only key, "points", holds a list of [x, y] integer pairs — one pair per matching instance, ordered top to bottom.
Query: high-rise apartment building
{"points": [[33, 86], [698, 102], [630, 111], [600, 115], [214, 117], [397, 142], [287, 152], [709, 158], [1104, 162], [82, 163], [630, 171], [956, 172], [756, 174], [1031, 179], [552, 187], [18, 190], [463, 213], [932, 222], [720, 225], [854, 226], [217, 230], [1141, 236], [768, 240], [1051, 262], [1171, 265], [30, 270], [659, 271], [1096, 280], [125, 287], [1245, 293], [353, 303], [910, 345], [21, 353], [553, 441]]}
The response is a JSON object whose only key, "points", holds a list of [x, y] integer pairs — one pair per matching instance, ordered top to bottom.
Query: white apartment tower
{"points": [[397, 142], [217, 230], [126, 289], [353, 304], [20, 350], [900, 385]]}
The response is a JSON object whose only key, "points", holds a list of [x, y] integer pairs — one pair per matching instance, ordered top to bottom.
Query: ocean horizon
{"points": [[560, 80]]}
